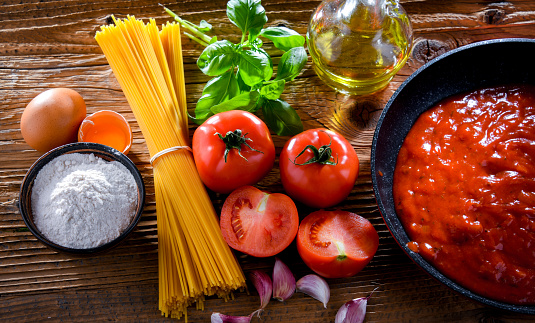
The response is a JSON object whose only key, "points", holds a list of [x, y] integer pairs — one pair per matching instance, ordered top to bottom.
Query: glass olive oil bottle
{"points": [[357, 46]]}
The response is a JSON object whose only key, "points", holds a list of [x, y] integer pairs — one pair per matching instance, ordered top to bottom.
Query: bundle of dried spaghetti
{"points": [[194, 260]]}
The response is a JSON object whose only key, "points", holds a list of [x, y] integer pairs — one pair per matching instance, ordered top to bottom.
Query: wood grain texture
{"points": [[45, 44]]}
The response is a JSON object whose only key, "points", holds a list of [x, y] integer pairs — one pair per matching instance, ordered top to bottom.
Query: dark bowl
{"points": [[483, 64], [102, 151]]}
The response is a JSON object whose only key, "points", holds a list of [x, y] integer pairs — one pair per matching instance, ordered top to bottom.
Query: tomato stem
{"points": [[234, 140], [322, 155]]}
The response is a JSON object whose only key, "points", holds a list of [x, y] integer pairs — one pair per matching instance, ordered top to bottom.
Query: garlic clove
{"points": [[283, 281], [264, 286], [316, 287], [353, 311], [222, 318]]}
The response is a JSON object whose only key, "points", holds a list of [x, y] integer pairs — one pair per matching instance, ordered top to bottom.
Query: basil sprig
{"points": [[243, 73]]}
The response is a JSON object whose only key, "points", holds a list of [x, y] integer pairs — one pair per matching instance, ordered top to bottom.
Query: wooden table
{"points": [[47, 44]]}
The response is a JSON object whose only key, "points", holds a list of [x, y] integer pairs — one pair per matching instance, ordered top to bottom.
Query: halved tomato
{"points": [[258, 223], [336, 244]]}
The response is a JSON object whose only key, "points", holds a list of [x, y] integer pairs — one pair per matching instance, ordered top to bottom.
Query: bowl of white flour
{"points": [[82, 198]]}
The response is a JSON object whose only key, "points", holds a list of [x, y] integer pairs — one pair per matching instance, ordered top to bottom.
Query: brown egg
{"points": [[52, 119]]}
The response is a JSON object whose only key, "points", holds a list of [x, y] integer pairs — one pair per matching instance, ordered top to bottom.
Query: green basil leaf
{"points": [[248, 15], [283, 38], [217, 58], [291, 63], [254, 66], [269, 72], [241, 84], [217, 90], [273, 91], [245, 101], [259, 104], [281, 118]]}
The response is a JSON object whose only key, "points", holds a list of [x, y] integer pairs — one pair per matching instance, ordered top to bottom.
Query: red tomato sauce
{"points": [[464, 189]]}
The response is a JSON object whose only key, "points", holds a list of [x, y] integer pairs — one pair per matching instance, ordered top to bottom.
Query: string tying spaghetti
{"points": [[167, 151]]}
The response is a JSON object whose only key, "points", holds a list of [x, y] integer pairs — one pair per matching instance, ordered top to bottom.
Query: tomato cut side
{"points": [[258, 223], [336, 244]]}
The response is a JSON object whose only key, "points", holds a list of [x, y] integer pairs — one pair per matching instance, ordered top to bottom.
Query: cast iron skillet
{"points": [[483, 64]]}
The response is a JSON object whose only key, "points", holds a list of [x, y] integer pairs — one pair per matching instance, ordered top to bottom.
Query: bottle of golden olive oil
{"points": [[357, 46]]}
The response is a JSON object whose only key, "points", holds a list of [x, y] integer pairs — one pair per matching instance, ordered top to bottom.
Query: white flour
{"points": [[83, 201]]}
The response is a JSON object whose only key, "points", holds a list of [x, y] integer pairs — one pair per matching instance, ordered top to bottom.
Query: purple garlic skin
{"points": [[283, 281], [264, 287], [316, 287], [353, 311], [222, 318]]}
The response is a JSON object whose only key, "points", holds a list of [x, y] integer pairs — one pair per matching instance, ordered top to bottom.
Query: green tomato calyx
{"points": [[234, 140], [322, 155]]}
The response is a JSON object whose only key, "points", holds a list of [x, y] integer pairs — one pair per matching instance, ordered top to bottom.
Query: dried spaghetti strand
{"points": [[194, 260]]}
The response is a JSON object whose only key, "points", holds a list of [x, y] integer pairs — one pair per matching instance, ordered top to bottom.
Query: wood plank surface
{"points": [[47, 44]]}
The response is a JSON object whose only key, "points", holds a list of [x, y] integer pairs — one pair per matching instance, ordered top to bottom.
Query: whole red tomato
{"points": [[232, 149], [318, 167], [258, 223], [336, 244]]}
